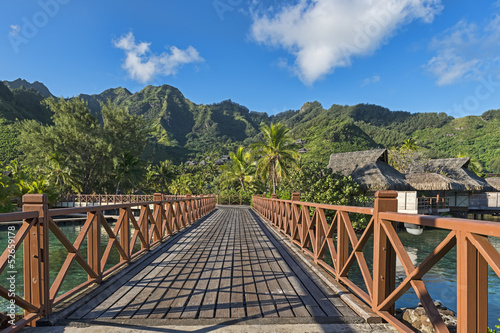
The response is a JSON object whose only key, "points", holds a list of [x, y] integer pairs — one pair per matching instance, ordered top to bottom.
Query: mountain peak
{"points": [[38, 86]]}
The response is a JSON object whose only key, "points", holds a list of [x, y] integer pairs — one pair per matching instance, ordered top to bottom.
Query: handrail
{"points": [[114, 199], [237, 199], [152, 227], [316, 231]]}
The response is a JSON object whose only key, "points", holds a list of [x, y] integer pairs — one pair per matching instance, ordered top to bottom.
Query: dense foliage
{"points": [[85, 155], [320, 185]]}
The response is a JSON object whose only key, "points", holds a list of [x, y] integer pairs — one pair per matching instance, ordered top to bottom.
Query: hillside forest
{"points": [[157, 140]]}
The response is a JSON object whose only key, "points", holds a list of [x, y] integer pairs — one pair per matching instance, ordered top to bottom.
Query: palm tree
{"points": [[410, 144], [277, 153], [474, 164], [241, 168], [128, 169], [164, 174], [61, 175]]}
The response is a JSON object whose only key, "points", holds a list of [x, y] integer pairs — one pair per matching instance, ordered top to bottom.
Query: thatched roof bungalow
{"points": [[369, 169], [459, 177], [430, 181]]}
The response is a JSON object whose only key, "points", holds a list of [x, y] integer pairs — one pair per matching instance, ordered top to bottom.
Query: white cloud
{"points": [[15, 29], [325, 34], [465, 52], [144, 66], [370, 80]]}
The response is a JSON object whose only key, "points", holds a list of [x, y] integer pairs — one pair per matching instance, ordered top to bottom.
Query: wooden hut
{"points": [[370, 169], [450, 178]]}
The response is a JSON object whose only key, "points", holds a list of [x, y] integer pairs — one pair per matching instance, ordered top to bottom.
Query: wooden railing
{"points": [[229, 199], [75, 200], [433, 203], [319, 227], [151, 228]]}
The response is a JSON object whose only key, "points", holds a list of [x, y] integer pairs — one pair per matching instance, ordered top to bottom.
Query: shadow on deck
{"points": [[227, 269]]}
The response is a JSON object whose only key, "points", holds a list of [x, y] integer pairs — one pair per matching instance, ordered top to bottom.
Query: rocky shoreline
{"points": [[417, 318]]}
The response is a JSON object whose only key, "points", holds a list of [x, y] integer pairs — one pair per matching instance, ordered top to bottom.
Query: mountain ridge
{"points": [[184, 130]]}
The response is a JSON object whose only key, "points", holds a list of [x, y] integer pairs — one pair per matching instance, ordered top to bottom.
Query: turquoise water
{"points": [[57, 255], [440, 281]]}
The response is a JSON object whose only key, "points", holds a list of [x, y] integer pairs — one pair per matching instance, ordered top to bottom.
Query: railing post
{"points": [[296, 196], [189, 209], [274, 209], [157, 214], [125, 235], [94, 245], [36, 254], [384, 256], [472, 286]]}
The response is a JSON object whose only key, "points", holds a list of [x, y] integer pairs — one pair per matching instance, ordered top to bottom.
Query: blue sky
{"points": [[269, 55]]}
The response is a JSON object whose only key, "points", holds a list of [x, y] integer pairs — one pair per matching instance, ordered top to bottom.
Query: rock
{"points": [[420, 311], [447, 313], [417, 318], [4, 320]]}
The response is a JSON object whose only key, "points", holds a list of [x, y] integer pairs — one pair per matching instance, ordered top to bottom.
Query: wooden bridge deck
{"points": [[228, 266]]}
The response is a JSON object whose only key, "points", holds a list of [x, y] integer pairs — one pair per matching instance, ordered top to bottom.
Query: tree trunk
{"points": [[242, 185], [118, 187]]}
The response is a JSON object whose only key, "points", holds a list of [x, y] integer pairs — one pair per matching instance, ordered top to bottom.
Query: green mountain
{"points": [[38, 86], [183, 130]]}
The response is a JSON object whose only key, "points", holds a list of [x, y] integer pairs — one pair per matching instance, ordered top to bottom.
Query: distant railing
{"points": [[229, 199], [79, 200], [485, 200], [433, 203], [151, 227], [316, 228]]}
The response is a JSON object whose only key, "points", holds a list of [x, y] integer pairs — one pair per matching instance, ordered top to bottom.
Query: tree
{"points": [[78, 145], [410, 145], [277, 153], [407, 157], [474, 165], [241, 168], [129, 170], [58, 172], [320, 185]]}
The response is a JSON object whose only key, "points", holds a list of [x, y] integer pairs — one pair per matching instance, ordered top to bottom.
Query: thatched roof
{"points": [[369, 169], [456, 170], [423, 181], [494, 182]]}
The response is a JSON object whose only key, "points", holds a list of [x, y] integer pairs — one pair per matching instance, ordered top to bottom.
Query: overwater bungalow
{"points": [[459, 186], [435, 187]]}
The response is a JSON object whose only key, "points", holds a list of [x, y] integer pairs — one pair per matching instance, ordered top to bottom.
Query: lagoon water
{"points": [[440, 281]]}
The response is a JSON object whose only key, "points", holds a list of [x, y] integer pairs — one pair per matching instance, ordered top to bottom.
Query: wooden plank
{"points": [[247, 258], [154, 279], [308, 280], [135, 286], [168, 290], [109, 293], [224, 295], [237, 297], [179, 304], [267, 304], [208, 306], [193, 307]]}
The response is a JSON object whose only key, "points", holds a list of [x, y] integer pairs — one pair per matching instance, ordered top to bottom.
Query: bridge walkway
{"points": [[228, 268]]}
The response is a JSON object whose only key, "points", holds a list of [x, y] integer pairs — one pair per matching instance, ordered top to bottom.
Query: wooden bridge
{"points": [[187, 261]]}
